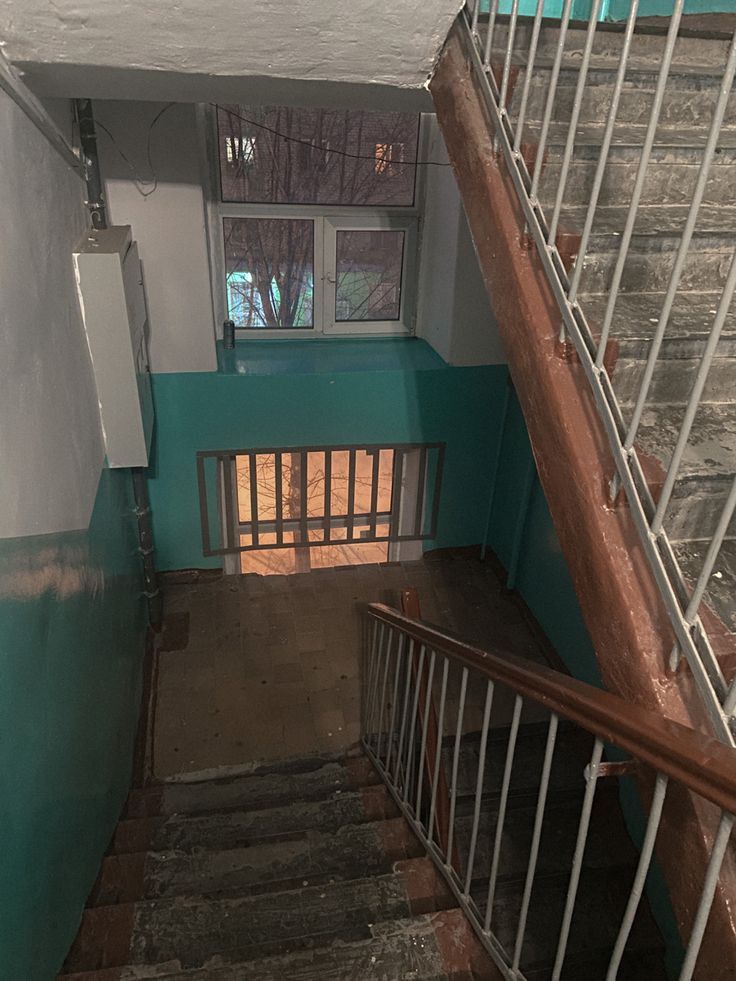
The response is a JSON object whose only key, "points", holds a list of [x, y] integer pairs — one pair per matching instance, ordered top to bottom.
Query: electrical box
{"points": [[113, 304]]}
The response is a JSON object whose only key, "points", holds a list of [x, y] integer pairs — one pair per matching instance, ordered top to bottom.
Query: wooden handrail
{"points": [[699, 762]]}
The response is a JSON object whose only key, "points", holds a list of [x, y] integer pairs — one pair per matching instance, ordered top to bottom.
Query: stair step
{"points": [[693, 53], [689, 100], [630, 135], [670, 177], [651, 219], [650, 260], [636, 316], [673, 380], [707, 467], [721, 594], [571, 758], [308, 779], [237, 829], [608, 845], [311, 857], [600, 905], [190, 931], [431, 947]]}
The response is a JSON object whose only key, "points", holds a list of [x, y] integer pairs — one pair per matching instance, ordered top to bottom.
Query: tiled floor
{"points": [[260, 667]]}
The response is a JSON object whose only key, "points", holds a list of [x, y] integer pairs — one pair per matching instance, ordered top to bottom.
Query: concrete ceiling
{"points": [[197, 50]]}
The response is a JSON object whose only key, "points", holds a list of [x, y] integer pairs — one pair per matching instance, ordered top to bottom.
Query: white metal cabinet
{"points": [[113, 303]]}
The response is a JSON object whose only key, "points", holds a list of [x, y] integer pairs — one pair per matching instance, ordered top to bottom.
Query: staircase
{"points": [[555, 111], [709, 462], [306, 870]]}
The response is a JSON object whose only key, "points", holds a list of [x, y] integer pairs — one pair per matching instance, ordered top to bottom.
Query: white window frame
{"points": [[328, 219]]}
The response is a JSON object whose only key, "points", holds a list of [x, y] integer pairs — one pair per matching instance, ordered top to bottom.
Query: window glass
{"points": [[317, 156], [269, 270], [368, 281]]}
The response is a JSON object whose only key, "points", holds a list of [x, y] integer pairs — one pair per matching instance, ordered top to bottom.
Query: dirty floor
{"points": [[262, 667]]}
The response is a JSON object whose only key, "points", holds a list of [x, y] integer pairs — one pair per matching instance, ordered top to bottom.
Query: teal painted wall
{"points": [[302, 393], [542, 577], [71, 644]]}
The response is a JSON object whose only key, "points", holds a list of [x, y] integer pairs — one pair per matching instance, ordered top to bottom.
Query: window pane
{"points": [[317, 156], [269, 270], [368, 283]]}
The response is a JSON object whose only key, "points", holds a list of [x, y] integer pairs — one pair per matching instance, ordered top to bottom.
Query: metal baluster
{"points": [[476, 14], [489, 35], [531, 58], [507, 59], [577, 106], [547, 118], [605, 148], [640, 178], [682, 251], [693, 403], [374, 491], [279, 494], [303, 497], [253, 498], [327, 526], [350, 531], [705, 573], [399, 655], [373, 680], [407, 692], [381, 712], [412, 726], [425, 730], [438, 752], [456, 763], [591, 781], [479, 785], [503, 801], [537, 834], [642, 868], [706, 897]]}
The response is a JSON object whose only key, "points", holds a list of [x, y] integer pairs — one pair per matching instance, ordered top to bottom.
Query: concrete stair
{"points": [[690, 97], [223, 879]]}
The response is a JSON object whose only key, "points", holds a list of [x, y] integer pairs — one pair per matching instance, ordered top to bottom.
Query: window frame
{"points": [[339, 217]]}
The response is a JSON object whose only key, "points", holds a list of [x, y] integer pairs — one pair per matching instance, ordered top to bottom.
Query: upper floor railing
{"points": [[519, 63], [481, 697]]}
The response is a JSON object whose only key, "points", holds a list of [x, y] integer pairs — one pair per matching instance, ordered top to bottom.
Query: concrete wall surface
{"points": [[71, 613]]}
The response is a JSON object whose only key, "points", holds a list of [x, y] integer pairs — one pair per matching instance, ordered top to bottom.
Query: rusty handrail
{"points": [[703, 764]]}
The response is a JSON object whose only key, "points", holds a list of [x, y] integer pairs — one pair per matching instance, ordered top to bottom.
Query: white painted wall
{"points": [[102, 48], [168, 224], [454, 314], [50, 440]]}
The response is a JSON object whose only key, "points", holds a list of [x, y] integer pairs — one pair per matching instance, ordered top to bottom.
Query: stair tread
{"points": [[626, 135], [652, 219], [636, 314], [710, 455], [721, 592], [309, 779], [233, 828], [307, 857], [192, 930], [402, 948]]}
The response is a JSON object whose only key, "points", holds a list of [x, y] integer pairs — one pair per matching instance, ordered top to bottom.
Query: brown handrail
{"points": [[411, 610], [703, 764]]}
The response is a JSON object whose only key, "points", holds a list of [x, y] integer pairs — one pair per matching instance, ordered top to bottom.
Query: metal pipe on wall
{"points": [[98, 211]]}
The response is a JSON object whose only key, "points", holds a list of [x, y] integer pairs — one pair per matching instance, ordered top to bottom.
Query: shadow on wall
{"points": [[521, 533], [72, 622]]}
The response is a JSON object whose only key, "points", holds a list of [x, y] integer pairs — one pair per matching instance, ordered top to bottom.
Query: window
{"points": [[315, 224]]}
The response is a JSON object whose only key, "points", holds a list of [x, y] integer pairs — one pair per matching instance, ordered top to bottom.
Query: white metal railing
{"points": [[492, 65], [432, 707]]}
